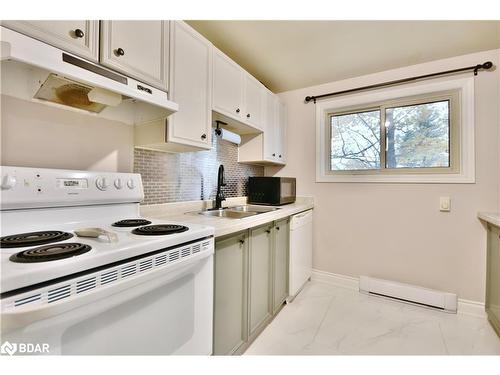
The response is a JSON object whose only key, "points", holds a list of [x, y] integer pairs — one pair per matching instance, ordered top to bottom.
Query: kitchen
{"points": [[176, 184]]}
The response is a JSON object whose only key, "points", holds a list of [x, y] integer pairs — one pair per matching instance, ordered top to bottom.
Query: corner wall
{"points": [[396, 231]]}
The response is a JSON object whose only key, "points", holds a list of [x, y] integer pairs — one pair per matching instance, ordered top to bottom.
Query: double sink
{"points": [[238, 212]]}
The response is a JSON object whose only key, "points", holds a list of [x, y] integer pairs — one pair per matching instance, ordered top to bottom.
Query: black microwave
{"points": [[273, 191]]}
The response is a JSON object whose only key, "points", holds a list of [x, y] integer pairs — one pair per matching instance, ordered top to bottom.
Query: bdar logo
{"points": [[8, 348]]}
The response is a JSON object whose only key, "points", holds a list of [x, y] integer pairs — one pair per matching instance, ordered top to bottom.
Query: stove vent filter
{"points": [[61, 90]]}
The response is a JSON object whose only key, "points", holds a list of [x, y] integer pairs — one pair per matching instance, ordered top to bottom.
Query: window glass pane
{"points": [[418, 136], [355, 141]]}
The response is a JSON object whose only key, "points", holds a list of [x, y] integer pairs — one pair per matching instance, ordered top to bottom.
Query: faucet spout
{"points": [[221, 181]]}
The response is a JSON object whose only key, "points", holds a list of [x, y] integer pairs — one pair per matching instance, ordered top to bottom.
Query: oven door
{"points": [[287, 190], [164, 311]]}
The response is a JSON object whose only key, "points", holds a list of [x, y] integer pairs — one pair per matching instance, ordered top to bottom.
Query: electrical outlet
{"points": [[444, 204]]}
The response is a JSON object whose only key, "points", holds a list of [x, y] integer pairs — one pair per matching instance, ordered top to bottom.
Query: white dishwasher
{"points": [[301, 243]]}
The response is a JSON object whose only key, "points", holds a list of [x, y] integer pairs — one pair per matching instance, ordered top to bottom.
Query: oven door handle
{"points": [[100, 299]]}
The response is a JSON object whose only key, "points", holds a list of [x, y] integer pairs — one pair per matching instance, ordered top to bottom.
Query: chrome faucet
{"points": [[221, 181]]}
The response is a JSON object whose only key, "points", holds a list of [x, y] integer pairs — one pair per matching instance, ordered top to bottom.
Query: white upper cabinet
{"points": [[80, 37], [139, 49], [228, 86], [190, 87], [237, 95], [253, 101], [282, 127], [190, 128], [271, 131], [267, 147]]}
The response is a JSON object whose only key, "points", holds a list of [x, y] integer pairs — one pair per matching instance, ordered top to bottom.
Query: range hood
{"points": [[35, 71]]}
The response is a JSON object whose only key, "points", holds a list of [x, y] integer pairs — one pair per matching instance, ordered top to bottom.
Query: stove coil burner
{"points": [[131, 223], [159, 230], [33, 238], [50, 252]]}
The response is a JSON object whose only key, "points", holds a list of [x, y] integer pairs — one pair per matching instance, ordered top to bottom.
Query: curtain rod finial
{"points": [[487, 65]]}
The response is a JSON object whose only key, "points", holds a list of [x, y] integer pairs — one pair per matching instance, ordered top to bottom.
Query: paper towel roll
{"points": [[229, 136]]}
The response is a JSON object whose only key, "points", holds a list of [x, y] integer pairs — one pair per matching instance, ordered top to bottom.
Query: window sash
{"points": [[452, 96]]}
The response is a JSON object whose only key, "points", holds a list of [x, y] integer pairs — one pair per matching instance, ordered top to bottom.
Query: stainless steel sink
{"points": [[253, 208], [224, 212], [238, 212]]}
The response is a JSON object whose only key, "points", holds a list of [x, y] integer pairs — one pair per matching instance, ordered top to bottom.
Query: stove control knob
{"points": [[8, 182], [102, 183], [118, 183], [131, 184]]}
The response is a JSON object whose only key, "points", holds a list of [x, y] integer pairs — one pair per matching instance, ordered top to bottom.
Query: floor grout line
{"points": [[322, 320], [442, 338]]}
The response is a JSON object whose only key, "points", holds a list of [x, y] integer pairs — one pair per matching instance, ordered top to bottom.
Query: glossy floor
{"points": [[326, 319]]}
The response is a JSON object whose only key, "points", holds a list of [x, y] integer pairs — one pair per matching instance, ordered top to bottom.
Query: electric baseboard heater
{"points": [[409, 293]]}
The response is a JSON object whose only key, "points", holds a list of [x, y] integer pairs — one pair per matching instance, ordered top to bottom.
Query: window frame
{"points": [[459, 90], [452, 96]]}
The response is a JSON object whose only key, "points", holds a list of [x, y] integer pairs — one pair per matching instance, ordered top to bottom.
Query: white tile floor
{"points": [[326, 319]]}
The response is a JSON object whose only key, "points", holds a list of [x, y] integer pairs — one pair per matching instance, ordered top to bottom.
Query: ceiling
{"points": [[286, 55]]}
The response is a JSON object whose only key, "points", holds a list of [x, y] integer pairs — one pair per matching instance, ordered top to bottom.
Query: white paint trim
{"points": [[466, 131], [335, 279], [465, 307], [473, 308]]}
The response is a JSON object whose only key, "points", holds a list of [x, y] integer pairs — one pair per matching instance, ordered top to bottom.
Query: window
{"points": [[408, 133], [398, 138]]}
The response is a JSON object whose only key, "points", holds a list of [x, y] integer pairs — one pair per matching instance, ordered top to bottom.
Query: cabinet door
{"points": [[80, 37], [138, 49], [228, 86], [190, 87], [253, 101], [270, 130], [281, 132], [280, 262], [493, 277], [260, 282], [230, 307]]}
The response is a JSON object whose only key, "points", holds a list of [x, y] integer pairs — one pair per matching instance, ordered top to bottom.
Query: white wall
{"points": [[37, 135], [396, 231]]}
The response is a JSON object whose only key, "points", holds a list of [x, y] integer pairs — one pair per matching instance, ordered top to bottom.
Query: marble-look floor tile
{"points": [[329, 320], [288, 333]]}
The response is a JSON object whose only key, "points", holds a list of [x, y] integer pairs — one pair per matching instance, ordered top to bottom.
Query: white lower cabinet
{"points": [[190, 128], [251, 284]]}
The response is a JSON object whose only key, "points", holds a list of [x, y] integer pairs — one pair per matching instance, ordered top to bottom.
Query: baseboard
{"points": [[336, 279], [465, 307], [473, 308]]}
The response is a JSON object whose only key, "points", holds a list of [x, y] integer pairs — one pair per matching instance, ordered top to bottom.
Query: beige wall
{"points": [[38, 135], [396, 231]]}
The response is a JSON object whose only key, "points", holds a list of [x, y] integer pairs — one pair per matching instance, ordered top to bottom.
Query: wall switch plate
{"points": [[444, 204]]}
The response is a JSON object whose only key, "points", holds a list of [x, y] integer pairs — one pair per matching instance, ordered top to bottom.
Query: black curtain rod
{"points": [[485, 66]]}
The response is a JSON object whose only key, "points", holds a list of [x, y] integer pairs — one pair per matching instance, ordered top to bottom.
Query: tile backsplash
{"points": [[192, 175]]}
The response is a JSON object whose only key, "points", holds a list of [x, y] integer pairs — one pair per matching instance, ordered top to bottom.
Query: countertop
{"points": [[188, 212], [490, 217]]}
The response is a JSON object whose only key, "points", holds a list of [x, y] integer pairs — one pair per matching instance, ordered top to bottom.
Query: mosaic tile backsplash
{"points": [[192, 175]]}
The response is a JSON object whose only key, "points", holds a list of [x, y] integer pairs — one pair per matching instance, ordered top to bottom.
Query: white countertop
{"points": [[187, 212], [490, 217]]}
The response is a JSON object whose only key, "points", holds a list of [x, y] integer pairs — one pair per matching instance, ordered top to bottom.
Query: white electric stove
{"points": [[83, 273]]}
